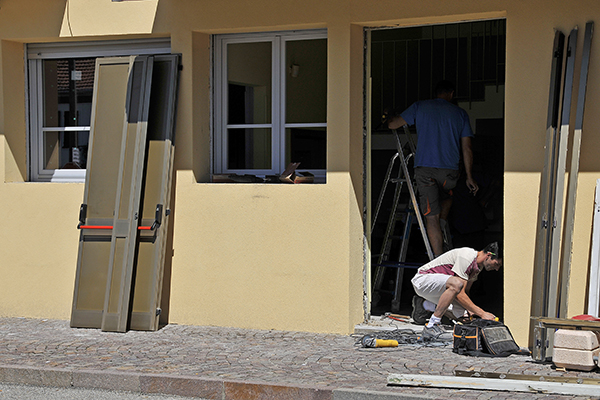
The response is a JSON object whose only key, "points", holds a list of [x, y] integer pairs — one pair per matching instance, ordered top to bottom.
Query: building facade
{"points": [[262, 84]]}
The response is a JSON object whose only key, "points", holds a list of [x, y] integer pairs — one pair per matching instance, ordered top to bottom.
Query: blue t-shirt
{"points": [[440, 127]]}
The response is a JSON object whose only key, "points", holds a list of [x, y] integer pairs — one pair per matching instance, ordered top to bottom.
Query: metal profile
{"points": [[574, 174], [128, 188], [557, 191], [156, 195], [128, 197], [97, 210], [543, 236], [593, 306], [526, 377], [506, 384]]}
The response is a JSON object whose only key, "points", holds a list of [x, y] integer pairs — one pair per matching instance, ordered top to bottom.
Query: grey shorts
{"points": [[434, 186], [431, 286]]}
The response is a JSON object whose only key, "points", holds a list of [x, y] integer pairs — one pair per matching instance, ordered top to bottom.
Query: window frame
{"points": [[36, 53], [278, 125]]}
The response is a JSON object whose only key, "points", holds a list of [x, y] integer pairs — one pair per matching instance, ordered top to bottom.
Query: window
{"points": [[61, 84], [271, 102]]}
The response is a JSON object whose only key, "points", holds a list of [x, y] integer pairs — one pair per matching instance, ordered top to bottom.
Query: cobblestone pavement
{"points": [[321, 361]]}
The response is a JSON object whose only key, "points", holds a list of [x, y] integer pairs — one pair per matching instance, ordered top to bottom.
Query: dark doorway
{"points": [[405, 65]]}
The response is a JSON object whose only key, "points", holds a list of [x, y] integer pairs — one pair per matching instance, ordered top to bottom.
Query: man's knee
{"points": [[432, 222], [454, 284]]}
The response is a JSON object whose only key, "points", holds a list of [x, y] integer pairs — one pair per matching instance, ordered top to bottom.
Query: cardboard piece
{"points": [[290, 175]]}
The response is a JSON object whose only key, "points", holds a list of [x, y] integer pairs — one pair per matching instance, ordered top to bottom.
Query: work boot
{"points": [[419, 314], [436, 333]]}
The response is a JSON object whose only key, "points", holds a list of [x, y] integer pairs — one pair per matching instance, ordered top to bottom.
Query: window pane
{"points": [[249, 79], [306, 81], [68, 86], [308, 146], [249, 148], [65, 150]]}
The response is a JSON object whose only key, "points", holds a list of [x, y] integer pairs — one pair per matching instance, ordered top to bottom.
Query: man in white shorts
{"points": [[443, 285]]}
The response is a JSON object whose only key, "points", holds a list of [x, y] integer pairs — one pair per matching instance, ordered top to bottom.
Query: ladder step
{"points": [[399, 264], [385, 291]]}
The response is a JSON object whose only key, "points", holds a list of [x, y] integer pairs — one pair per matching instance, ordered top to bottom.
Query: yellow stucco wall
{"points": [[38, 246], [277, 256], [267, 263]]}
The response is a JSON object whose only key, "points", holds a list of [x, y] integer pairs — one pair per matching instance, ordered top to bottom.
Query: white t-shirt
{"points": [[461, 262]]}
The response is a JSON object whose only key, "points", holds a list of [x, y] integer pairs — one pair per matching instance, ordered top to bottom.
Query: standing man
{"points": [[443, 132], [444, 284]]}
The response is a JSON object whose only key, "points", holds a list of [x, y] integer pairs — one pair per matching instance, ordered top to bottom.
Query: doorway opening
{"points": [[404, 65]]}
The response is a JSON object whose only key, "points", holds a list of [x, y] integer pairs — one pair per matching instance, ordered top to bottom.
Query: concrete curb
{"points": [[179, 385]]}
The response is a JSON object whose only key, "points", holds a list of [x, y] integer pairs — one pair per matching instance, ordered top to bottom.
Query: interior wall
{"points": [[310, 86]]}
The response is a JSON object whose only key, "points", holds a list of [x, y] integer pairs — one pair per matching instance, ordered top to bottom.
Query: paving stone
{"points": [[183, 360], [26, 375], [106, 380], [182, 386], [261, 391], [345, 394]]}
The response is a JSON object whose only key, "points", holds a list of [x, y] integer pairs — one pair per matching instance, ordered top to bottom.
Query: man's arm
{"points": [[396, 122], [468, 160], [468, 287], [468, 304]]}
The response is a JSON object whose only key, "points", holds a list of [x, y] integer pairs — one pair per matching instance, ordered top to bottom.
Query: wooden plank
{"points": [[567, 323]]}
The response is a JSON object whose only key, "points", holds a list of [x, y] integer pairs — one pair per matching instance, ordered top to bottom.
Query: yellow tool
{"points": [[368, 341]]}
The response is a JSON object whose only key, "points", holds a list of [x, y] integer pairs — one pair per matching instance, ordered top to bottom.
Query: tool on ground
{"points": [[397, 317], [484, 338], [369, 341]]}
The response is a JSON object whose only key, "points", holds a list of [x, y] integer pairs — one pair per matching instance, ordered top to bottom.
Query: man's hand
{"points": [[468, 160], [472, 185], [487, 315]]}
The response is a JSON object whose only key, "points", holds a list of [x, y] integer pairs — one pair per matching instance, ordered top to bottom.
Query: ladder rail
{"points": [[409, 139], [402, 177], [383, 189], [413, 197], [387, 237]]}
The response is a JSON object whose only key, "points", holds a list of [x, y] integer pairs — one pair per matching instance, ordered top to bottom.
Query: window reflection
{"points": [[68, 86], [249, 148]]}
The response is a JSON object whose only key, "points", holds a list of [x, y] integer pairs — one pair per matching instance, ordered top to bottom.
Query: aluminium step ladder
{"points": [[399, 213]]}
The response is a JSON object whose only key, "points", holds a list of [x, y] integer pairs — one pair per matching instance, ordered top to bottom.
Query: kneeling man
{"points": [[443, 285]]}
